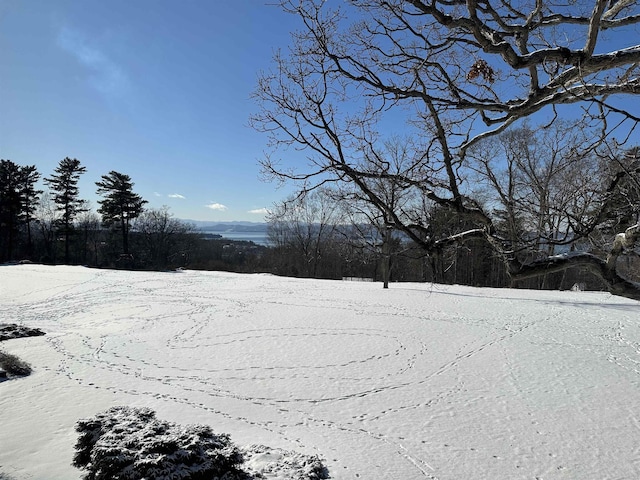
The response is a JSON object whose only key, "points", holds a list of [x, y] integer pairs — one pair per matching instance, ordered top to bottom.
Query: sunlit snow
{"points": [[419, 381]]}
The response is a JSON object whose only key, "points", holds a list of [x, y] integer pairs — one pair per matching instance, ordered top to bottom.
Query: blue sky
{"points": [[156, 89]]}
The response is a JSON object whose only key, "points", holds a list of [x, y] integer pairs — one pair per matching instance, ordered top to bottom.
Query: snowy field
{"points": [[415, 382]]}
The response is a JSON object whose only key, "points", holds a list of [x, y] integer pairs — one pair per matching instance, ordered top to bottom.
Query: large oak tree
{"points": [[454, 74]]}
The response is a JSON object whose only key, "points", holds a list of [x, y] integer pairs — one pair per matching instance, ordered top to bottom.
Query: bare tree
{"points": [[455, 73], [47, 217], [371, 217], [89, 225], [303, 228], [166, 239]]}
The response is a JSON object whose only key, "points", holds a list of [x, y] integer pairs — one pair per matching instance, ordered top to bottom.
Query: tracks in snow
{"points": [[256, 356]]}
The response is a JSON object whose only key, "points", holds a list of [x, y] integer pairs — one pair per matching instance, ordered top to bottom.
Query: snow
{"points": [[416, 382]]}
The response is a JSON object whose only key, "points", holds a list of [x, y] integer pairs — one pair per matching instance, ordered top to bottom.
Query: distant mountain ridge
{"points": [[240, 226]]}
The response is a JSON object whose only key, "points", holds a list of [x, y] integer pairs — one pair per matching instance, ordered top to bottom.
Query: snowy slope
{"points": [[415, 382]]}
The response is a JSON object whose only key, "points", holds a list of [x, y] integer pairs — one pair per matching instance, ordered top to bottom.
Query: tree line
{"points": [[59, 227], [338, 233]]}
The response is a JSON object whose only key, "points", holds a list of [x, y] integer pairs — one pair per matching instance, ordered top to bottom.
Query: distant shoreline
{"points": [[259, 237]]}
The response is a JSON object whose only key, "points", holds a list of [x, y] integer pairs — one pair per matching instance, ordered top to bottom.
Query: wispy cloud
{"points": [[106, 76], [157, 194], [176, 195], [217, 206], [259, 211]]}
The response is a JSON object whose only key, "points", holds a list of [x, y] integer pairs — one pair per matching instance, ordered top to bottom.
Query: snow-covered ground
{"points": [[418, 381]]}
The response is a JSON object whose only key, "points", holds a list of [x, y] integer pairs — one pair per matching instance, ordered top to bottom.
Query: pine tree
{"points": [[64, 184], [29, 198], [18, 200], [120, 205], [9, 206]]}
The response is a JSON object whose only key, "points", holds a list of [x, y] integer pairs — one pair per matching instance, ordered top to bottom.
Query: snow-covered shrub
{"points": [[12, 330], [13, 365], [125, 443], [264, 462]]}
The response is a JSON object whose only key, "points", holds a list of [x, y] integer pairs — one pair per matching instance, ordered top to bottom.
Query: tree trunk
{"points": [[125, 236], [66, 244], [386, 257]]}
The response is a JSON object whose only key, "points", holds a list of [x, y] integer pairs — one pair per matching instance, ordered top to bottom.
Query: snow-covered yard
{"points": [[418, 381]]}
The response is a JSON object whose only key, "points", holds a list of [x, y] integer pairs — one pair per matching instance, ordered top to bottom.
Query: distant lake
{"points": [[259, 238]]}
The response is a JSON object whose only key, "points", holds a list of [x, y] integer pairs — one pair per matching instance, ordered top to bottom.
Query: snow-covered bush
{"points": [[12, 330], [13, 365], [126, 443], [263, 462]]}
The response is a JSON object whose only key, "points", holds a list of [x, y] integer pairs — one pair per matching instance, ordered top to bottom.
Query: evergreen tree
{"points": [[64, 184], [30, 198], [18, 200], [120, 205], [10, 207]]}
